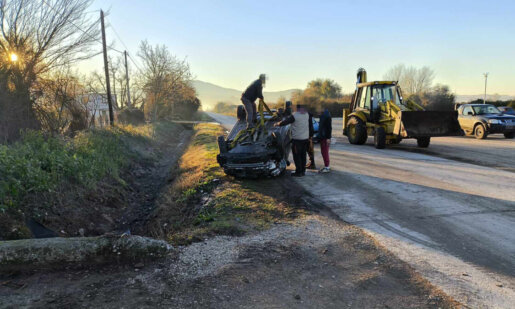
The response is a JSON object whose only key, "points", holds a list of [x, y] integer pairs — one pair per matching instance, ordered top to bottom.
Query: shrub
{"points": [[225, 108], [132, 116], [37, 163]]}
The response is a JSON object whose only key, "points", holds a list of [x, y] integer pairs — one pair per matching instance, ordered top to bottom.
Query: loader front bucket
{"points": [[414, 124]]}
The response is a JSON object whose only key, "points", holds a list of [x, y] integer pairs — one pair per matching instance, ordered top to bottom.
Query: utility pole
{"points": [[127, 78], [486, 78], [114, 84], [108, 86]]}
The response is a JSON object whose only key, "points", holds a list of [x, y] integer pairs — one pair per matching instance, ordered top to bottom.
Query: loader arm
{"points": [[413, 106]]}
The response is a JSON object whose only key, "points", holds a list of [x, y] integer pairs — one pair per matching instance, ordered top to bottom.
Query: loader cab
{"points": [[371, 98]]}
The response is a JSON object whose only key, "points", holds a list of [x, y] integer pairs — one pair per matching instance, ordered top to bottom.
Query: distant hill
{"points": [[210, 94], [489, 97]]}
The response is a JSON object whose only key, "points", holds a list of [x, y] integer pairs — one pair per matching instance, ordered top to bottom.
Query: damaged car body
{"points": [[259, 152]]}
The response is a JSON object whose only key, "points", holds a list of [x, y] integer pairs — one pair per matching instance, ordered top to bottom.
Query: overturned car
{"points": [[259, 152]]}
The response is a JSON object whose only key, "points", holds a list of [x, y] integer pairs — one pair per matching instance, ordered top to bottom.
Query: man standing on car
{"points": [[248, 98], [325, 130], [300, 136]]}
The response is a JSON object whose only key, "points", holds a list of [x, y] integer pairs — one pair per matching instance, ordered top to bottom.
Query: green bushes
{"points": [[225, 108], [38, 164]]}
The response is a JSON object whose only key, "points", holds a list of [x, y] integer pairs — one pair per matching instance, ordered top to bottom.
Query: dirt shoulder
{"points": [[251, 244]]}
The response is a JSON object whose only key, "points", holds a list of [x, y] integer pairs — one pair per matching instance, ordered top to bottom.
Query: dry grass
{"points": [[203, 201]]}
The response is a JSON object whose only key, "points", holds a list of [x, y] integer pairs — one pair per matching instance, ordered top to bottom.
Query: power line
{"points": [[85, 32], [97, 40], [126, 48], [130, 57]]}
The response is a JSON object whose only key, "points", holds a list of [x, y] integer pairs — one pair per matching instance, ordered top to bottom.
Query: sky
{"points": [[229, 43]]}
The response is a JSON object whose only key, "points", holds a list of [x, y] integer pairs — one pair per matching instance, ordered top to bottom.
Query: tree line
{"points": [[41, 44]]}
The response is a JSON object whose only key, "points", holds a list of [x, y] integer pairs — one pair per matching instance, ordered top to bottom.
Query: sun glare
{"points": [[14, 57]]}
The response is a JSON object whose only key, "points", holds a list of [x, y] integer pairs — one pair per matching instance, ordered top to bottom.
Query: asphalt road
{"points": [[449, 210]]}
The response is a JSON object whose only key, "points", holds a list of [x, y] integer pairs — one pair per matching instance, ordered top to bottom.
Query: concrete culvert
{"points": [[30, 254]]}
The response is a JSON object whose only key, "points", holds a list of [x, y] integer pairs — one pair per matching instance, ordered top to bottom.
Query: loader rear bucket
{"points": [[415, 124]]}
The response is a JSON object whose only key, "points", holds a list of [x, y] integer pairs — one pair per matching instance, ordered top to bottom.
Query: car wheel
{"points": [[356, 131], [480, 132], [509, 135], [380, 138], [396, 141], [423, 142], [222, 144]]}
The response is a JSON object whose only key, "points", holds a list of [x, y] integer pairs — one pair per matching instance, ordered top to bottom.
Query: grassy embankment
{"points": [[41, 175], [68, 183], [203, 201]]}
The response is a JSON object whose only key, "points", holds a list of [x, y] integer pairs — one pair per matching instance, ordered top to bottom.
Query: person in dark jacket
{"points": [[248, 98], [287, 108], [325, 130], [300, 136], [311, 145]]}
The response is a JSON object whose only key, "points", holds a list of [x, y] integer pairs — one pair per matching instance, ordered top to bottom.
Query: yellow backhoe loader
{"points": [[378, 109]]}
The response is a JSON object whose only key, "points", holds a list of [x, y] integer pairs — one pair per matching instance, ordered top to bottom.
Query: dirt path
{"points": [[304, 256], [310, 262], [313, 262]]}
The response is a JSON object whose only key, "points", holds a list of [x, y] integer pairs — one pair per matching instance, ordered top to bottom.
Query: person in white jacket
{"points": [[300, 138]]}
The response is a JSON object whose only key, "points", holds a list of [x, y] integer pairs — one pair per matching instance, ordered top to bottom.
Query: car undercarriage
{"points": [[258, 152]]}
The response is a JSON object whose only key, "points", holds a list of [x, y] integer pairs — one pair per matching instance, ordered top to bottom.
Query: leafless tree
{"points": [[44, 35], [395, 73], [164, 79], [411, 79], [57, 105]]}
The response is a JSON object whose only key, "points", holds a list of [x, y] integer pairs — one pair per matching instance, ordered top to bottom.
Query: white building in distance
{"points": [[97, 108]]}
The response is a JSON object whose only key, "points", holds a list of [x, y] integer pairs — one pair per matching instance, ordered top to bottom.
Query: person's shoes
{"points": [[311, 166], [326, 169], [295, 174]]}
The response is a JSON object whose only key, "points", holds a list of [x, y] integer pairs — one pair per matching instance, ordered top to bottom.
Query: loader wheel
{"points": [[241, 113], [356, 131], [480, 132], [509, 135], [380, 138], [396, 141], [423, 142], [222, 144]]}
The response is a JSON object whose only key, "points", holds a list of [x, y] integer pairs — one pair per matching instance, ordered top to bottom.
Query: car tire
{"points": [[241, 113], [356, 131], [480, 131], [509, 135], [380, 138], [396, 141], [423, 142], [222, 144]]}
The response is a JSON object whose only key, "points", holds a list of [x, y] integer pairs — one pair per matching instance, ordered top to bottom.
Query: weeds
{"points": [[40, 164]]}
